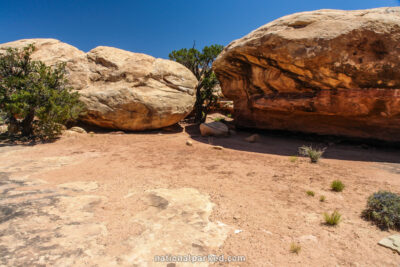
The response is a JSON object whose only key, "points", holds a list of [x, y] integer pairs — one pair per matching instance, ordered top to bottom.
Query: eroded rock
{"points": [[327, 71], [121, 90], [215, 128], [176, 222]]}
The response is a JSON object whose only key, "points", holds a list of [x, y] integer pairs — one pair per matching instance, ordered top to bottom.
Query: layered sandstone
{"points": [[325, 72]]}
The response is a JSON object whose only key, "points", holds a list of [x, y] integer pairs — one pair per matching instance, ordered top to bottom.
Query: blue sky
{"points": [[153, 27]]}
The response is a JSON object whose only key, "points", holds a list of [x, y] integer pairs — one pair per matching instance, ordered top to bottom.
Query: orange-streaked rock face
{"points": [[325, 72]]}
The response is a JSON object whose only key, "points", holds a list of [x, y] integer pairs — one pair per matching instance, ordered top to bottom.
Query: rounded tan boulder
{"points": [[327, 72], [121, 89]]}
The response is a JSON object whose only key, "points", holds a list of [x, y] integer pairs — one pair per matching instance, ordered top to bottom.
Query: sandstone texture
{"points": [[326, 72], [122, 90], [215, 128]]}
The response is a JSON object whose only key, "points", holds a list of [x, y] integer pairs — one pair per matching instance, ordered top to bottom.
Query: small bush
{"points": [[35, 99], [313, 154], [293, 159], [337, 186], [310, 193], [322, 198], [383, 208], [332, 219], [295, 248]]}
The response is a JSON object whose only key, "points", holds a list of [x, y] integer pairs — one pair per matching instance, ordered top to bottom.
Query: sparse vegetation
{"points": [[200, 63], [35, 99], [312, 153], [293, 159], [337, 186], [310, 193], [322, 198], [383, 209], [332, 219], [295, 248]]}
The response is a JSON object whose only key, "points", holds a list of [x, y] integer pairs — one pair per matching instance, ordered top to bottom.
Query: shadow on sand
{"points": [[287, 144]]}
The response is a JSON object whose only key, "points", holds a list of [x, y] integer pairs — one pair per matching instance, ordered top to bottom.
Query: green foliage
{"points": [[200, 63], [35, 98], [219, 119], [313, 154], [293, 159], [337, 186], [310, 193], [322, 198], [383, 208], [332, 219], [295, 248]]}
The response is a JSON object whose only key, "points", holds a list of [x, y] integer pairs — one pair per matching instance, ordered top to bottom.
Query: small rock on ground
{"points": [[392, 242]]}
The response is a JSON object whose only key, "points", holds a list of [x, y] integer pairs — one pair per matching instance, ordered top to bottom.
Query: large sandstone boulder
{"points": [[326, 72], [122, 90]]}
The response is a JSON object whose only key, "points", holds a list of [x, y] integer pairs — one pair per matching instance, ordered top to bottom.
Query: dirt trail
{"points": [[118, 199]]}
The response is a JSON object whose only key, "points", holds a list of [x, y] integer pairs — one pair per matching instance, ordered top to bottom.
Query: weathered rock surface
{"points": [[326, 72], [122, 90], [214, 128], [175, 222], [50, 224], [392, 242]]}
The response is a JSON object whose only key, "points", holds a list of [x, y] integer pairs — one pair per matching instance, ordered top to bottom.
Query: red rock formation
{"points": [[325, 72]]}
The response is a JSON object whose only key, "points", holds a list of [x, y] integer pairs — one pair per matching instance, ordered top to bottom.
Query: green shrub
{"points": [[34, 98], [313, 154], [293, 159], [337, 186], [310, 193], [322, 198], [383, 209], [332, 219], [295, 248]]}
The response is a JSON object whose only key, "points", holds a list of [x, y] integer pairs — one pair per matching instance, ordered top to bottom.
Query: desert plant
{"points": [[200, 63], [34, 98], [313, 154], [293, 159], [337, 186], [310, 193], [322, 198], [383, 209], [332, 219], [295, 248]]}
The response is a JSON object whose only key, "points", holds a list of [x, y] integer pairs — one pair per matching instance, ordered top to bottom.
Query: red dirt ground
{"points": [[255, 187]]}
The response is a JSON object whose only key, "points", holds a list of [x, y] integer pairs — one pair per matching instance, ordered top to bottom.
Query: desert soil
{"points": [[108, 199]]}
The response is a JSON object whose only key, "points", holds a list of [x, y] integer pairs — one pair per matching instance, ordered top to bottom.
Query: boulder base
{"points": [[326, 72]]}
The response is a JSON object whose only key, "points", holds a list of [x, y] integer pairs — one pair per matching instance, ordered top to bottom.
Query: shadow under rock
{"points": [[286, 143]]}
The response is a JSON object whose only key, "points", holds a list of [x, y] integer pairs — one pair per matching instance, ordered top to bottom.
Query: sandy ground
{"points": [[255, 187]]}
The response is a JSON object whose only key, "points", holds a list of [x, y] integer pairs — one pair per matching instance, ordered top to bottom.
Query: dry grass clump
{"points": [[313, 153]]}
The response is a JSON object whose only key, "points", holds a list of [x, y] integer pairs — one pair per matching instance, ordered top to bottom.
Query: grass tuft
{"points": [[293, 159], [337, 186], [310, 193], [322, 198], [332, 219], [295, 248]]}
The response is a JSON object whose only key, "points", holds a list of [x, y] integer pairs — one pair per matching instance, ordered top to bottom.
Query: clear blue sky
{"points": [[153, 27]]}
